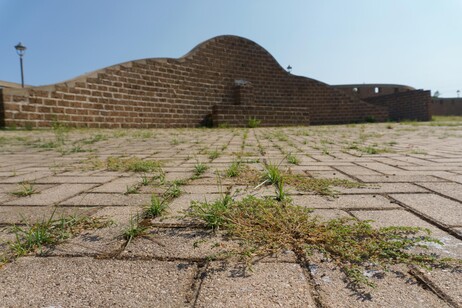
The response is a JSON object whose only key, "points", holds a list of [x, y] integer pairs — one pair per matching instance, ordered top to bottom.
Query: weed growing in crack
{"points": [[253, 122], [213, 154], [292, 159], [134, 164], [199, 169], [234, 169], [272, 174], [145, 181], [321, 186], [26, 189], [131, 189], [173, 191], [156, 208], [211, 213], [265, 227], [134, 229], [51, 231]]}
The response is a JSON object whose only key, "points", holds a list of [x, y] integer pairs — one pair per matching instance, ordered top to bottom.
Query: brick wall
{"points": [[180, 92], [410, 105], [446, 106], [269, 115]]}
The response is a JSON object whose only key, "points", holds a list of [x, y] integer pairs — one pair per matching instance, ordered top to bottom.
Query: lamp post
{"points": [[20, 50], [289, 68], [458, 92]]}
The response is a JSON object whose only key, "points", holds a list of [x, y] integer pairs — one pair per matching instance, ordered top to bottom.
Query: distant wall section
{"points": [[409, 105], [446, 106]]}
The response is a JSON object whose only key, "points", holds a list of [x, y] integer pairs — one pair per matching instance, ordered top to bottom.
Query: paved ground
{"points": [[414, 172]]}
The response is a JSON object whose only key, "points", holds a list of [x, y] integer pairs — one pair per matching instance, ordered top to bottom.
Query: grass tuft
{"points": [[253, 122], [292, 159], [134, 164], [199, 169], [234, 169], [25, 189], [156, 208], [51, 231]]}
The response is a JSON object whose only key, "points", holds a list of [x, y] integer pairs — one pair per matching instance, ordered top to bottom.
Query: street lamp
{"points": [[21, 50], [289, 68], [458, 92]]}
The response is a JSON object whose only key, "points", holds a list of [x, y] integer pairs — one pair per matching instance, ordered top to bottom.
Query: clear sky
{"points": [[412, 42]]}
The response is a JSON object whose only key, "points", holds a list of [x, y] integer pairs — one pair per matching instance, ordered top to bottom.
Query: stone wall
{"points": [[181, 92], [410, 105], [446, 106]]}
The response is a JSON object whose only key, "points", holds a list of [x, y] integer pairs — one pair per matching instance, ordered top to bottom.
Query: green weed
{"points": [[253, 122], [213, 154], [292, 159], [134, 164], [199, 169], [234, 169], [25, 189], [156, 208], [265, 227], [134, 229], [51, 231]]}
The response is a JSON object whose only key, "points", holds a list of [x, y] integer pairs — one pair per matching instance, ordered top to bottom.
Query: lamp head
{"points": [[20, 49]]}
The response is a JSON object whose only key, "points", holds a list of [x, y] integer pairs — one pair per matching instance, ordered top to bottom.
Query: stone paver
{"points": [[52, 195], [442, 210], [174, 261], [78, 282], [268, 285]]}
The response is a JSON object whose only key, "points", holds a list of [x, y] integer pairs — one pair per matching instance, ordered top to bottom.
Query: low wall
{"points": [[410, 105]]}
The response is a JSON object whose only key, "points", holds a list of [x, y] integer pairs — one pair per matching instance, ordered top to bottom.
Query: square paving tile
{"points": [[86, 282]]}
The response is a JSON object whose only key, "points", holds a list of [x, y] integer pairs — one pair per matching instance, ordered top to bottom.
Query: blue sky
{"points": [[412, 42]]}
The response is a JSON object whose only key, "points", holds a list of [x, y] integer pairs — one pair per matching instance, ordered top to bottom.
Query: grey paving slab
{"points": [[380, 167], [357, 170], [27, 177], [397, 178], [75, 179], [118, 185], [381, 188], [453, 190], [52, 195], [102, 199], [344, 202], [437, 208], [33, 214], [96, 242], [180, 243], [86, 282], [446, 282], [267, 285], [395, 289]]}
